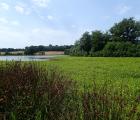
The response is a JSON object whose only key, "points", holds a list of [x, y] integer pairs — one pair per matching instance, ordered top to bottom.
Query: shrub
{"points": [[119, 49], [28, 91]]}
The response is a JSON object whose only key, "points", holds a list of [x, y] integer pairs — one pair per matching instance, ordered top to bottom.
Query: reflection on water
{"points": [[26, 58]]}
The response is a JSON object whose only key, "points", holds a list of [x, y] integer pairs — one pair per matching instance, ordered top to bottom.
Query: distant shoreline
{"points": [[40, 53]]}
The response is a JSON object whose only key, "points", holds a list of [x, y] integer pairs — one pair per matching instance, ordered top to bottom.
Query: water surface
{"points": [[26, 58]]}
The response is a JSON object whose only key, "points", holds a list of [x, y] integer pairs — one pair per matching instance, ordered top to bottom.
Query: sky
{"points": [[59, 22]]}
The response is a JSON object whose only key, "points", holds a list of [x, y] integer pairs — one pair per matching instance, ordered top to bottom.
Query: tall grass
{"points": [[28, 91], [31, 92], [108, 103]]}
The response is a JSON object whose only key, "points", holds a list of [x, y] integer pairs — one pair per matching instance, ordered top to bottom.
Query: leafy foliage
{"points": [[127, 30], [121, 40], [98, 41], [85, 42], [34, 49]]}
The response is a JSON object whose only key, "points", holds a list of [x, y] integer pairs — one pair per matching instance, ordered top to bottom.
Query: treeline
{"points": [[121, 40], [10, 50], [31, 50]]}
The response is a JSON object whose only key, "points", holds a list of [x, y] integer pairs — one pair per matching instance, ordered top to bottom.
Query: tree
{"points": [[126, 30], [122, 40], [98, 41], [85, 42], [123, 49], [30, 50], [76, 50]]}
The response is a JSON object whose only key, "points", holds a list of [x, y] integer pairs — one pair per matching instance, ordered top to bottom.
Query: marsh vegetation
{"points": [[42, 91]]}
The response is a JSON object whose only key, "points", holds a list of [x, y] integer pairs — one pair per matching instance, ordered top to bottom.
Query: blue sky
{"points": [[58, 22]]}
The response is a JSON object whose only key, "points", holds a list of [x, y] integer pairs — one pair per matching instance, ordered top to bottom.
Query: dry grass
{"points": [[54, 53]]}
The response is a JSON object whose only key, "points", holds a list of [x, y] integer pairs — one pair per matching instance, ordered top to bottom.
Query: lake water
{"points": [[26, 58]]}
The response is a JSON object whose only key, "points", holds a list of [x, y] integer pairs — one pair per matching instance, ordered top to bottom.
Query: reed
{"points": [[29, 91]]}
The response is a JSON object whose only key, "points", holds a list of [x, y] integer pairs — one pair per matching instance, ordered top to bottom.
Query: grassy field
{"points": [[87, 70], [109, 89]]}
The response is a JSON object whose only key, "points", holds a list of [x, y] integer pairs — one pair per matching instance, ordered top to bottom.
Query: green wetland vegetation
{"points": [[87, 70], [71, 88]]}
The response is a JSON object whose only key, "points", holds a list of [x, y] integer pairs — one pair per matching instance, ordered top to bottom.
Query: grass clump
{"points": [[29, 92], [108, 103]]}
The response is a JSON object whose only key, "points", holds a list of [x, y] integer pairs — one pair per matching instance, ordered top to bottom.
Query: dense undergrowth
{"points": [[31, 92]]}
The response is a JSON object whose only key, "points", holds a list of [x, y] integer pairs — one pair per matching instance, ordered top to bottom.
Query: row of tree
{"points": [[120, 40], [10, 50], [31, 50]]}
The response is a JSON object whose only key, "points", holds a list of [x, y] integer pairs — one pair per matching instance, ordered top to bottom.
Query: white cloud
{"points": [[41, 3], [4, 6], [19, 9], [22, 9], [123, 9], [50, 17], [3, 21], [8, 22], [16, 23], [48, 36], [9, 37], [16, 37]]}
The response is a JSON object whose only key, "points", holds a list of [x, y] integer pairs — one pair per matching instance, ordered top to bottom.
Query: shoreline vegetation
{"points": [[121, 40], [36, 50], [41, 53], [29, 91]]}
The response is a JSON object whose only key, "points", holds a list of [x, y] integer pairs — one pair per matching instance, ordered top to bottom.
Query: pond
{"points": [[26, 58]]}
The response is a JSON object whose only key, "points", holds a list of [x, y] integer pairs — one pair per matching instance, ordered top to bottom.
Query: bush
{"points": [[119, 49], [28, 91]]}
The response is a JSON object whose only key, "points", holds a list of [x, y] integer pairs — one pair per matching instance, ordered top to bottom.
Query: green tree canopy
{"points": [[126, 30], [98, 40], [122, 40], [85, 42]]}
